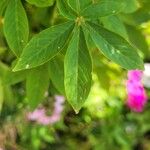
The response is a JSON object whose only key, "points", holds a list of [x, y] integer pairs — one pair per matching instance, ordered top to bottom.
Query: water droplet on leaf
{"points": [[27, 66]]}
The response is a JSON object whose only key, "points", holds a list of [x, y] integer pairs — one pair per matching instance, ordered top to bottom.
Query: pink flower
{"points": [[135, 75], [136, 94], [59, 99], [58, 106], [39, 115], [54, 118], [44, 120]]}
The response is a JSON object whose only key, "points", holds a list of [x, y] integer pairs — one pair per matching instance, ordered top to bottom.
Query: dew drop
{"points": [[113, 11], [22, 41], [106, 46], [58, 47], [113, 50], [118, 52], [27, 66]]}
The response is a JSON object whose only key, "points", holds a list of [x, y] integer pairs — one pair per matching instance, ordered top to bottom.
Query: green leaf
{"points": [[41, 3], [3, 5], [79, 5], [131, 6], [103, 8], [66, 10], [136, 18], [114, 24], [16, 26], [138, 39], [44, 46], [115, 47], [78, 68], [3, 69], [56, 73], [9, 77], [12, 78], [36, 85], [1, 95], [9, 97]]}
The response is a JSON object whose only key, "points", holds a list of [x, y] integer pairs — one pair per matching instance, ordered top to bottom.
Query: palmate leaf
{"points": [[41, 3], [103, 8], [16, 28], [44, 46], [115, 47], [78, 68], [36, 85]]}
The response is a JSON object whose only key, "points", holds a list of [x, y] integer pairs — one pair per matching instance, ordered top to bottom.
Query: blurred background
{"points": [[105, 122]]}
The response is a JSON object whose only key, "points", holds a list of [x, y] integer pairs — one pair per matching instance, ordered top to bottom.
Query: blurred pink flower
{"points": [[135, 75], [137, 97], [59, 99], [58, 106], [39, 114], [54, 118], [44, 120]]}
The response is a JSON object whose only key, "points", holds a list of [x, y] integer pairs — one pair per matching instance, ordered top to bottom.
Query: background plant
{"points": [[72, 48]]}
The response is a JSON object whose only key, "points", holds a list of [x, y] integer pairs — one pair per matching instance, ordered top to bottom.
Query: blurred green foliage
{"points": [[104, 122]]}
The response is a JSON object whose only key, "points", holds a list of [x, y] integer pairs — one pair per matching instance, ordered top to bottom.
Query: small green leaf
{"points": [[41, 3], [131, 6], [103, 8], [66, 10], [16, 26], [138, 39], [44, 46], [115, 47], [78, 68], [3, 69], [56, 73], [9, 77], [12, 78], [36, 85], [1, 95], [9, 97]]}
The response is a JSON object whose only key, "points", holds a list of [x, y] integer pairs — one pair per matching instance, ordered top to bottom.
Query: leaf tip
{"points": [[19, 67], [16, 68], [76, 111]]}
